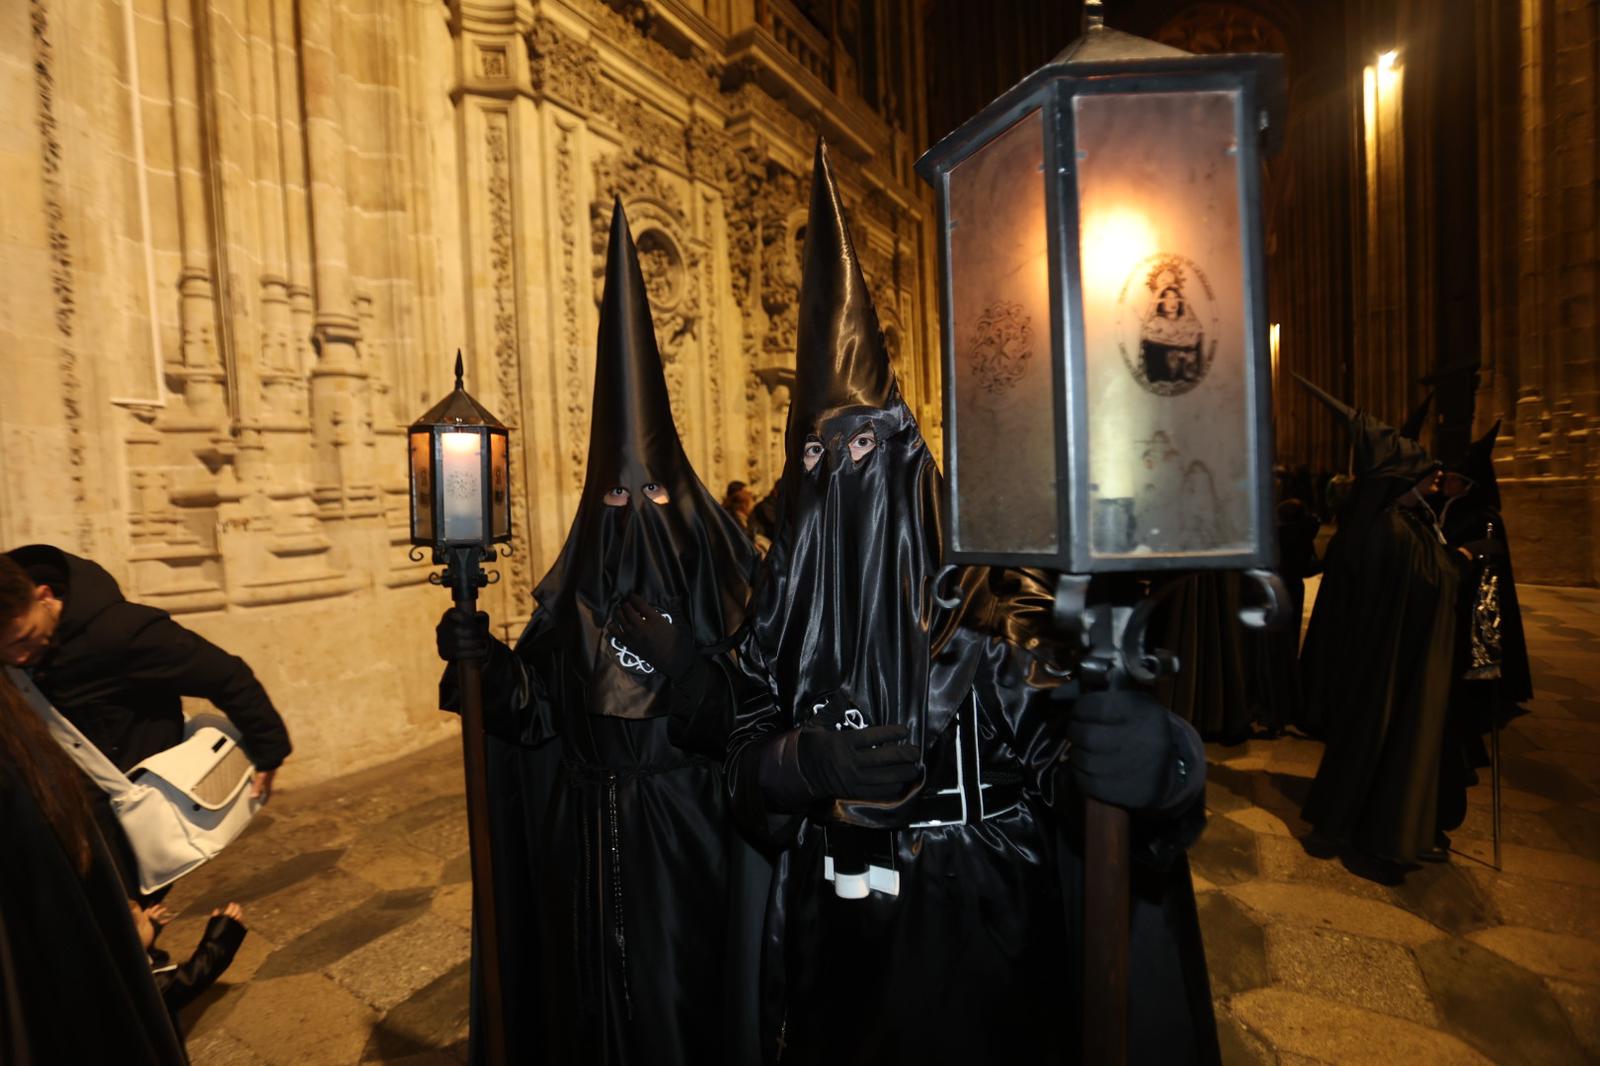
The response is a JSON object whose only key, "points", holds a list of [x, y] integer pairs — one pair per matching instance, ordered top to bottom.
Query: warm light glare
{"points": [[1386, 60], [1113, 242], [1272, 343], [460, 443]]}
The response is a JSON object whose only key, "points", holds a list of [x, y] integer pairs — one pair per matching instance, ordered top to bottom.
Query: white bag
{"points": [[180, 806]]}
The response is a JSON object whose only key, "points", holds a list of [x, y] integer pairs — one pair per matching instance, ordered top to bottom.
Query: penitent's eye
{"points": [[862, 443], [812, 454], [655, 493], [617, 497]]}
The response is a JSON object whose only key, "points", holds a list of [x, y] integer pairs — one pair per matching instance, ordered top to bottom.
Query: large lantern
{"points": [[1106, 362], [460, 479], [461, 508]]}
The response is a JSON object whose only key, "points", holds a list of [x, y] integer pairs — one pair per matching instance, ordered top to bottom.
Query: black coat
{"points": [[118, 670], [75, 985]]}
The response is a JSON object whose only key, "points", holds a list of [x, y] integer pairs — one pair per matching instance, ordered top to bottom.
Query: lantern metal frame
{"points": [[1148, 69], [460, 413]]}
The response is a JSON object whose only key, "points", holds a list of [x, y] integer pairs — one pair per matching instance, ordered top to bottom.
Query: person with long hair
{"points": [[75, 985]]}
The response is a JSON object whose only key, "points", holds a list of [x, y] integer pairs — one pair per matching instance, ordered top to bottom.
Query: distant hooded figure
{"points": [[1352, 502], [1378, 657], [1492, 677], [901, 756], [617, 868]]}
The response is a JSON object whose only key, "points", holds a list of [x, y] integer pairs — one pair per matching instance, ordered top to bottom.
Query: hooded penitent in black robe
{"points": [[1336, 613], [1492, 676], [1385, 684], [619, 875], [973, 959], [75, 984]]}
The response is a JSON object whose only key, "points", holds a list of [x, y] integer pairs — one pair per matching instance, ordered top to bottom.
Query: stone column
{"points": [[499, 142], [296, 208], [200, 375], [278, 379], [343, 477]]}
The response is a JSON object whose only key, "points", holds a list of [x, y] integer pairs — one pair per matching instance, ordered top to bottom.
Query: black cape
{"points": [[1199, 622], [1272, 656], [1383, 676], [1492, 678], [618, 875], [974, 959], [75, 984]]}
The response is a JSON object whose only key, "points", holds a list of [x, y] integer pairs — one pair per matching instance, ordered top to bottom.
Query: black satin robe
{"points": [[1377, 785], [628, 905], [977, 959]]}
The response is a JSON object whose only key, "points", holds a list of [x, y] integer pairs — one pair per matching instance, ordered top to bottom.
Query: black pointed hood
{"points": [[841, 363], [1411, 429], [1381, 451], [1477, 465], [686, 556], [847, 602]]}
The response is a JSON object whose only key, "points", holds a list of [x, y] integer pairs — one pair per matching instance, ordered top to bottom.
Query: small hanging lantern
{"points": [[460, 477]]}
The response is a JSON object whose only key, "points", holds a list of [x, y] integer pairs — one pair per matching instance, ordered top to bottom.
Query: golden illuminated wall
{"points": [[242, 240]]}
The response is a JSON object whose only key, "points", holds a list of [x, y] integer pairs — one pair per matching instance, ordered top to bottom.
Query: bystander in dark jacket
{"points": [[118, 671]]}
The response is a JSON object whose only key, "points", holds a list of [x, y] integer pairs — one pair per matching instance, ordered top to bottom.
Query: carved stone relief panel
{"points": [[507, 342]]}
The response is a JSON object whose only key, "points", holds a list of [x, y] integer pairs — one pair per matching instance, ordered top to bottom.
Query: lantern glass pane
{"points": [[1164, 322], [1004, 432], [461, 485], [422, 487], [500, 490]]}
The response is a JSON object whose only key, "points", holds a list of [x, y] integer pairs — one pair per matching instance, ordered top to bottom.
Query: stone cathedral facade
{"points": [[243, 240]]}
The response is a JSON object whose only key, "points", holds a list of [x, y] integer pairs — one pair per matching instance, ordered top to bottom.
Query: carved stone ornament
{"points": [[669, 260]]}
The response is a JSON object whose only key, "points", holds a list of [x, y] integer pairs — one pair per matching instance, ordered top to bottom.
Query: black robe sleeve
{"points": [[761, 741]]}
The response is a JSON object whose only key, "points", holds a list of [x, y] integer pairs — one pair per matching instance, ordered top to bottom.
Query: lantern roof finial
{"points": [[1102, 44], [458, 408]]}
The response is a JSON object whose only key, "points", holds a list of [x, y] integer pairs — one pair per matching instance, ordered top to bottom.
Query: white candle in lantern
{"points": [[462, 485]]}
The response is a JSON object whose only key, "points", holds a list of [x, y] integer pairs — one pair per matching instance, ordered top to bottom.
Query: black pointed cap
{"points": [[840, 358], [1411, 429], [631, 433], [1380, 449], [1478, 465], [689, 547]]}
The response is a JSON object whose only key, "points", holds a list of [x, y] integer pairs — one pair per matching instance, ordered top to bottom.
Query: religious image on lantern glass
{"points": [[1165, 328], [1005, 434], [461, 454], [422, 485], [499, 489]]}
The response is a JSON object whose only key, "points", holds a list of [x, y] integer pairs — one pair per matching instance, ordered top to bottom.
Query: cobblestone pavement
{"points": [[357, 893]]}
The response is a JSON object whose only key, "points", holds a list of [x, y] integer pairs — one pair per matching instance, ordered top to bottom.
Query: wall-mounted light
{"points": [[1272, 343]]}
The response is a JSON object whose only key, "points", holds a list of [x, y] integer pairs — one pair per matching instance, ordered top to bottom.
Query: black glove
{"points": [[464, 637], [667, 646], [1122, 749], [838, 762]]}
